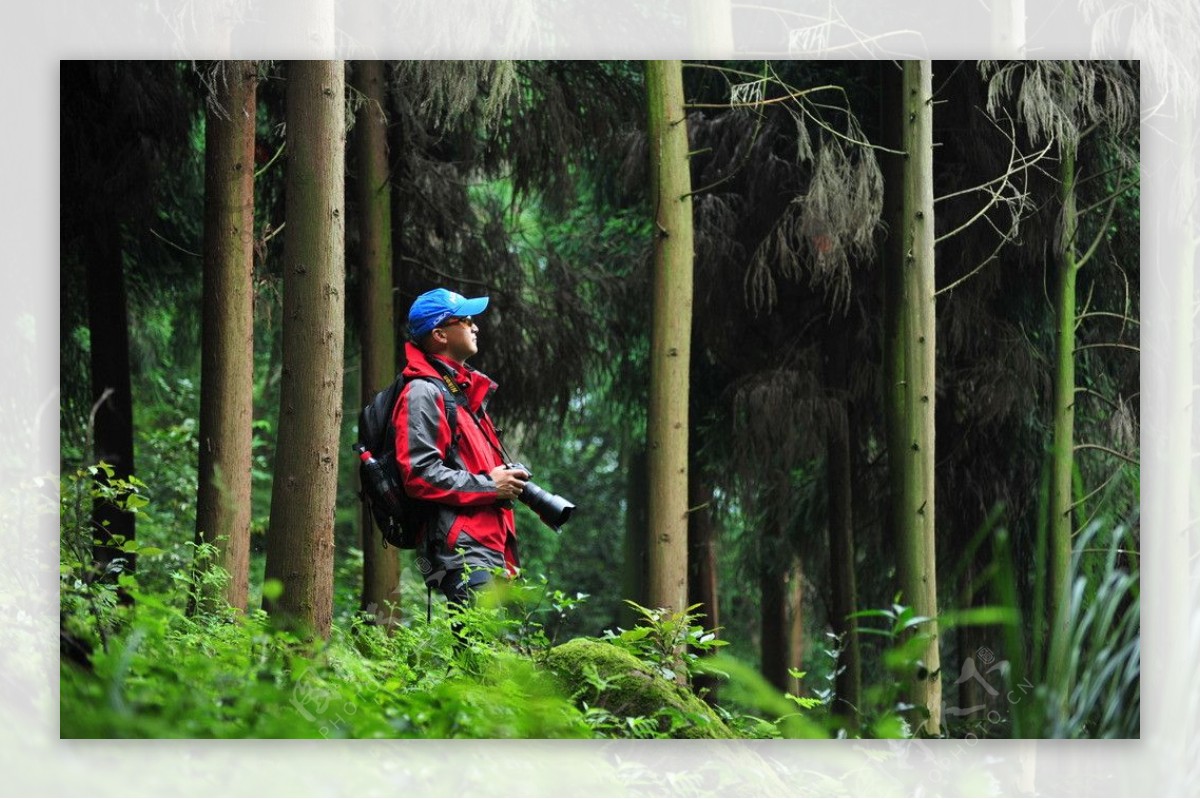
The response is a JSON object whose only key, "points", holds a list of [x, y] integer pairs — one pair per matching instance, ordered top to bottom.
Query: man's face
{"points": [[462, 337]]}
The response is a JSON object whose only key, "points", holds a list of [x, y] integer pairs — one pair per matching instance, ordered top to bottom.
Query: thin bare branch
{"points": [[794, 95], [274, 158], [1023, 162], [737, 167], [993, 202], [1112, 203], [170, 243], [973, 272], [1131, 320], [1113, 344], [1093, 393], [1112, 452], [1097, 490]]}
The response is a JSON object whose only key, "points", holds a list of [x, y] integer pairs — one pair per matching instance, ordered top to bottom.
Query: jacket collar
{"points": [[477, 386]]}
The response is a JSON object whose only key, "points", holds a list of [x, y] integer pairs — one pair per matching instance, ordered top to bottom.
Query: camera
{"points": [[552, 509]]}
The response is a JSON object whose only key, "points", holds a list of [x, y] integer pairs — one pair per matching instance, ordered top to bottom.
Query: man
{"points": [[473, 531]]}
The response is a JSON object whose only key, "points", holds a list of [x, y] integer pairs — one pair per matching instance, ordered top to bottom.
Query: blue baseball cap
{"points": [[436, 306]]}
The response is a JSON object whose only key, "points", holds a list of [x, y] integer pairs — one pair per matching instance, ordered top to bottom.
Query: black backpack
{"points": [[400, 518]]}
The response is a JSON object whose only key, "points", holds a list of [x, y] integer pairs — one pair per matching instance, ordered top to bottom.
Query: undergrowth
{"points": [[137, 664]]}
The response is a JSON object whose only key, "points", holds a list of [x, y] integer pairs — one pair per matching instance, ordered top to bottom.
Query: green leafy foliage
{"points": [[672, 642]]}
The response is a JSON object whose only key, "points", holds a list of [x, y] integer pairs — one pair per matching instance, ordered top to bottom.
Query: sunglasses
{"points": [[454, 320]]}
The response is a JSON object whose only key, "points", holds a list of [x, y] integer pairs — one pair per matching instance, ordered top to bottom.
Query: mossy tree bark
{"points": [[670, 341], [227, 349], [300, 533], [381, 565]]}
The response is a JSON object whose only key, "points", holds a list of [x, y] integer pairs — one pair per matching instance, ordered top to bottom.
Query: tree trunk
{"points": [[670, 342], [227, 349], [911, 365], [113, 433], [1062, 457], [300, 534], [381, 566], [633, 577], [794, 588], [843, 598], [776, 632]]}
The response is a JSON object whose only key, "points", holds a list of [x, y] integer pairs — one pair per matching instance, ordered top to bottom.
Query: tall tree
{"points": [[1064, 102], [670, 343], [227, 349], [909, 363], [300, 532], [381, 566]]}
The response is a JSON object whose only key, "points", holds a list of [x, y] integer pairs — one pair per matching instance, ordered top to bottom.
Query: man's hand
{"points": [[509, 482]]}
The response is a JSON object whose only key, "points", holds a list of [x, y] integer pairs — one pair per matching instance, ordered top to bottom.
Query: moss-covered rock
{"points": [[628, 687]]}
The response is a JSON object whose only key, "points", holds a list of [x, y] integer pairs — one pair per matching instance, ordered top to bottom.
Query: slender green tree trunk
{"points": [[670, 340], [227, 349], [109, 360], [910, 363], [1062, 457], [303, 494], [381, 566]]}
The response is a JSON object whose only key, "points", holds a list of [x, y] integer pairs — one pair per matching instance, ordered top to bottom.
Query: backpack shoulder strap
{"points": [[453, 400]]}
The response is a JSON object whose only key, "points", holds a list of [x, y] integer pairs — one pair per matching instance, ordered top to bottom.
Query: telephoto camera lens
{"points": [[552, 509]]}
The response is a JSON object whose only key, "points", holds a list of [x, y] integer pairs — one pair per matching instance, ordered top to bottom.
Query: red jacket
{"points": [[460, 484]]}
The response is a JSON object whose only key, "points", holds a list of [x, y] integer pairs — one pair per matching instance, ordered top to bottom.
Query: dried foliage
{"points": [[449, 91], [1061, 100], [824, 230]]}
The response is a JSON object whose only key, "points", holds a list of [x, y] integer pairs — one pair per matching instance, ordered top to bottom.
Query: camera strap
{"points": [[460, 399]]}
